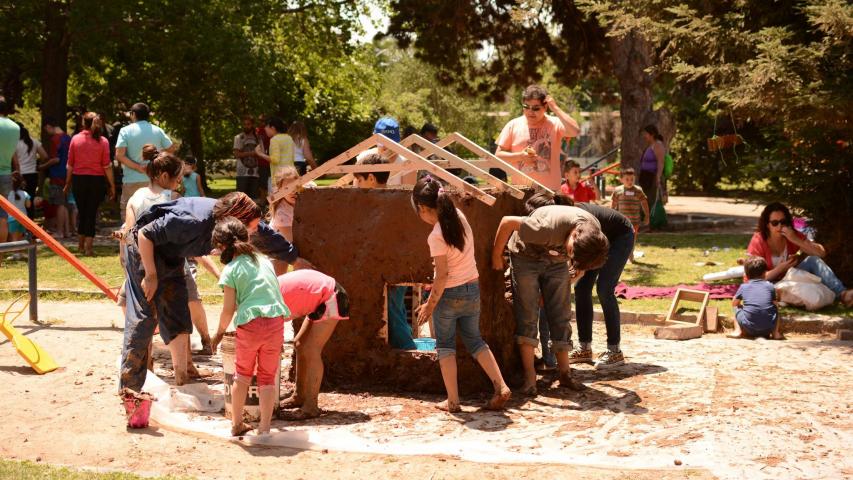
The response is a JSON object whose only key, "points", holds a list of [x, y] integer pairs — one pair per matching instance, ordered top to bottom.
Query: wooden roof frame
{"points": [[489, 159], [413, 161], [458, 162]]}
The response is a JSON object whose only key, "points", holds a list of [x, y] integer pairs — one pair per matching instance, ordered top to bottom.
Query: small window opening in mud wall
{"points": [[401, 330]]}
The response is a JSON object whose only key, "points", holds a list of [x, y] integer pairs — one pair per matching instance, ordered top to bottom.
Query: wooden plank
{"points": [[489, 158], [458, 162], [384, 167], [345, 180], [693, 295], [712, 323], [678, 331]]}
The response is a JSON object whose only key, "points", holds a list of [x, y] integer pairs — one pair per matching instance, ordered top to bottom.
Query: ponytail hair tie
{"points": [[428, 178], [440, 190]]}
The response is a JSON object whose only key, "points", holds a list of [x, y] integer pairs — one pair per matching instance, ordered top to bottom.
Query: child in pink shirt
{"points": [[454, 301], [322, 302]]}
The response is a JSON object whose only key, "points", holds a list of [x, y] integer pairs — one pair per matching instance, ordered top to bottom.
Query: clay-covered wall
{"points": [[369, 238]]}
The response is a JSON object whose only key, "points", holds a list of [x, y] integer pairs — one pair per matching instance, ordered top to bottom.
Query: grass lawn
{"points": [[669, 259], [36, 471]]}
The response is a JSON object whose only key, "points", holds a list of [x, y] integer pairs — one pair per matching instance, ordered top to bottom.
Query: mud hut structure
{"points": [[372, 239]]}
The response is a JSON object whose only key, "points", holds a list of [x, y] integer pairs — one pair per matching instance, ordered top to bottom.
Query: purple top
{"points": [[649, 162]]}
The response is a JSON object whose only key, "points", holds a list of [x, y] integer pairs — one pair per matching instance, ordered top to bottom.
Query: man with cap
{"points": [[389, 127]]}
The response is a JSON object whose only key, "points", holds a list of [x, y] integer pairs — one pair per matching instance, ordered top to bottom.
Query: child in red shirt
{"points": [[573, 188]]}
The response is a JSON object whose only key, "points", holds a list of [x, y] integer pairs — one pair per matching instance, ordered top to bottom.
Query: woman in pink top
{"points": [[88, 164], [776, 241], [454, 301], [322, 302]]}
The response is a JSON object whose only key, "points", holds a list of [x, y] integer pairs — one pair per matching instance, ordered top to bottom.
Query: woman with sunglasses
{"points": [[776, 241]]}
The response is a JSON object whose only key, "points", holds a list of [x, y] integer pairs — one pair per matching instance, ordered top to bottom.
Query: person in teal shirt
{"points": [[10, 133], [131, 139], [192, 180], [254, 301]]}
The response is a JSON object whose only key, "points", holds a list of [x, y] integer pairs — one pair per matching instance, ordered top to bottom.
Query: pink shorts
{"points": [[259, 344]]}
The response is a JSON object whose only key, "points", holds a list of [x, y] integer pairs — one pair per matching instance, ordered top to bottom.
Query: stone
{"points": [[845, 335]]}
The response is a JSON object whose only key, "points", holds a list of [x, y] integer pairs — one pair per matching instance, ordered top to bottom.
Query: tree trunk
{"points": [[632, 56], [54, 80], [13, 85], [197, 145]]}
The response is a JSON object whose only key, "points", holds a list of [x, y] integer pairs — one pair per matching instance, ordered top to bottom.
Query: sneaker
{"points": [[580, 356], [609, 359]]}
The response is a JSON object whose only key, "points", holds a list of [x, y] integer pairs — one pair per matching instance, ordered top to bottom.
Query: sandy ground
{"points": [[718, 407]]}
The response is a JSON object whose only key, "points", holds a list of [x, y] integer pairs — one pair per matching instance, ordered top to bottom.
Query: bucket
{"points": [[425, 344], [137, 408], [252, 409]]}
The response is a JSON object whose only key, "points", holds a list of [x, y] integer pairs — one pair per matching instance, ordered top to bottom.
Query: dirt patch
{"points": [[386, 244]]}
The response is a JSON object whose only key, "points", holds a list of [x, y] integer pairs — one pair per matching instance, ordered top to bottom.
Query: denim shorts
{"points": [[458, 308]]}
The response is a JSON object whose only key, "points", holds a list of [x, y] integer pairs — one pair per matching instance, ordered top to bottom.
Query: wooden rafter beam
{"points": [[489, 159], [413, 161], [457, 162]]}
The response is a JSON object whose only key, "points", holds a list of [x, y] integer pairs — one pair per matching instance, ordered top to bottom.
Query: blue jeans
{"points": [[816, 266], [533, 279], [605, 280], [458, 308], [169, 310], [399, 330], [545, 339]]}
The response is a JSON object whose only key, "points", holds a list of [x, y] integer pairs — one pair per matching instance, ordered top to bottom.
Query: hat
{"points": [[389, 127]]}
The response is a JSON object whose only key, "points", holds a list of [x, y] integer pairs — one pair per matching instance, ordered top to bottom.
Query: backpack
{"points": [[667, 165]]}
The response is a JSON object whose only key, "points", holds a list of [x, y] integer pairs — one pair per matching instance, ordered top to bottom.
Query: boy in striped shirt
{"points": [[630, 200]]}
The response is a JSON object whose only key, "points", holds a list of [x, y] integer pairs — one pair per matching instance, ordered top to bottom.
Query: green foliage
{"points": [[785, 68]]}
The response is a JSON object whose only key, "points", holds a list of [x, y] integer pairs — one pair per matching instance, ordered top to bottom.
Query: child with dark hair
{"points": [[371, 179], [573, 188], [629, 200], [552, 245], [252, 292], [454, 301], [755, 304]]}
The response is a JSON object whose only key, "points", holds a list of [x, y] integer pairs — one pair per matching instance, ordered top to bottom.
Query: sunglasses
{"points": [[535, 108], [776, 223]]}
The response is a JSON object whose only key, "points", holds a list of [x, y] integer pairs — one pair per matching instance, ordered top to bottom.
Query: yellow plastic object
{"points": [[38, 359]]}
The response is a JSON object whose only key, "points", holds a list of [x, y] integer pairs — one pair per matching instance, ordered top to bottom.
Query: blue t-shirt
{"points": [[133, 137], [59, 170], [191, 185], [183, 228], [759, 312]]}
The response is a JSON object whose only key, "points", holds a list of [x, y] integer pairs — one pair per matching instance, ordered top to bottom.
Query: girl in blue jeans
{"points": [[454, 302]]}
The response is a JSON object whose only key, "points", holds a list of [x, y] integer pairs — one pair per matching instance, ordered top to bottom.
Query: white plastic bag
{"points": [[797, 275], [812, 296]]}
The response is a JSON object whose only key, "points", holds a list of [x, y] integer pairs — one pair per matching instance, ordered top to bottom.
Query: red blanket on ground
{"points": [[717, 291]]}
